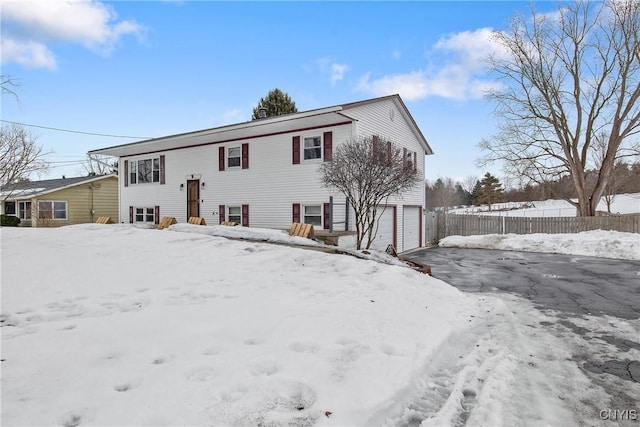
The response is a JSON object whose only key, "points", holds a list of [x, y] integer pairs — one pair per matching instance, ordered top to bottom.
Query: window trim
{"points": [[319, 147], [229, 157], [155, 172], [15, 207], [53, 210], [147, 212], [28, 215], [304, 215], [239, 216]]}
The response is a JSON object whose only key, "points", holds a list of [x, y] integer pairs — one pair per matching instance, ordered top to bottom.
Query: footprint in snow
{"points": [[211, 351], [264, 368], [201, 374]]}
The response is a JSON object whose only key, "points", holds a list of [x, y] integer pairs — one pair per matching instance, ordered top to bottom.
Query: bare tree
{"points": [[565, 78], [8, 85], [19, 155], [96, 164], [368, 171], [443, 194]]}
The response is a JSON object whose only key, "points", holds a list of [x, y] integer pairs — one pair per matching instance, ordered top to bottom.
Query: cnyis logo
{"points": [[619, 414]]}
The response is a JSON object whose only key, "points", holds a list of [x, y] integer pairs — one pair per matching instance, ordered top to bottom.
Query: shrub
{"points": [[9, 221]]}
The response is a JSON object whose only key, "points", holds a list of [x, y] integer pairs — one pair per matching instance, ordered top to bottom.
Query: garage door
{"points": [[410, 228], [384, 236]]}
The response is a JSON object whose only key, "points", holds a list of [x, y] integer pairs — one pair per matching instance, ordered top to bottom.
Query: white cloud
{"points": [[92, 24], [28, 54], [396, 54], [327, 66], [337, 72], [458, 75]]}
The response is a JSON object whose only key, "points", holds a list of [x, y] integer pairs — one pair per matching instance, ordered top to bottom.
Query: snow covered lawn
{"points": [[117, 325]]}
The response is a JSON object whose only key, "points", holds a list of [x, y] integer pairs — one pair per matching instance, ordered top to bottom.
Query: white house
{"points": [[264, 173]]}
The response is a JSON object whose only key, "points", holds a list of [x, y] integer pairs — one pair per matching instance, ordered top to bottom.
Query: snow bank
{"points": [[598, 243], [119, 325]]}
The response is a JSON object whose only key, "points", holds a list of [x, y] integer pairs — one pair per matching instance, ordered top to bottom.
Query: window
{"points": [[312, 148], [233, 157], [144, 171], [9, 208], [52, 209], [24, 210], [234, 214], [313, 214], [144, 215]]}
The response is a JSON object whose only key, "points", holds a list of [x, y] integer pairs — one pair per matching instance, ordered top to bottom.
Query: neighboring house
{"points": [[264, 172], [64, 201]]}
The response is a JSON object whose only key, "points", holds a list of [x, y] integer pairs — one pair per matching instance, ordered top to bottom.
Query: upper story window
{"points": [[312, 148], [234, 155], [145, 171]]}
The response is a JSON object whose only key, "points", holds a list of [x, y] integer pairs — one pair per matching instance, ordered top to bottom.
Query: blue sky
{"points": [[154, 68]]}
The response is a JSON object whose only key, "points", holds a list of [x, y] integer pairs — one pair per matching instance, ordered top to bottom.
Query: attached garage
{"points": [[411, 227], [386, 234]]}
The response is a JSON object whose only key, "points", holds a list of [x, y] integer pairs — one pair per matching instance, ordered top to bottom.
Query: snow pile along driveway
{"points": [[598, 243], [117, 325]]}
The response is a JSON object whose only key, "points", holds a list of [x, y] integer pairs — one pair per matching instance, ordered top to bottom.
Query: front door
{"points": [[193, 198]]}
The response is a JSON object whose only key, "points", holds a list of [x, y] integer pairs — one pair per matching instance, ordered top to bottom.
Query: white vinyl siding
{"points": [[272, 184]]}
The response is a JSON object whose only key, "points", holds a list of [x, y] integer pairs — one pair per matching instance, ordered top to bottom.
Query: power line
{"points": [[76, 131]]}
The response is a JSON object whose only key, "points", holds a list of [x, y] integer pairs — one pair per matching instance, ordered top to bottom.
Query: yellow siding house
{"points": [[64, 201]]}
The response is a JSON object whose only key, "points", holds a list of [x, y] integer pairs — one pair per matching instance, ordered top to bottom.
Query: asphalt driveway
{"points": [[568, 283], [568, 287]]}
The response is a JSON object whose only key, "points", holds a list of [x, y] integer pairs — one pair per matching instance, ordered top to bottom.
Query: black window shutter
{"points": [[327, 146], [296, 150], [389, 151], [245, 156], [404, 156], [221, 158], [415, 161], [126, 173], [162, 181], [326, 211], [296, 212], [221, 213], [130, 214], [156, 215], [245, 215]]}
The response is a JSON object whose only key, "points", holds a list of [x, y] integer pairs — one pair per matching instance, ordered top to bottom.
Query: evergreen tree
{"points": [[276, 103], [491, 191], [475, 193]]}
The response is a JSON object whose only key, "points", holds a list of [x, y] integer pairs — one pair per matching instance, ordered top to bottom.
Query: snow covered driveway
{"points": [[592, 304], [116, 325]]}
